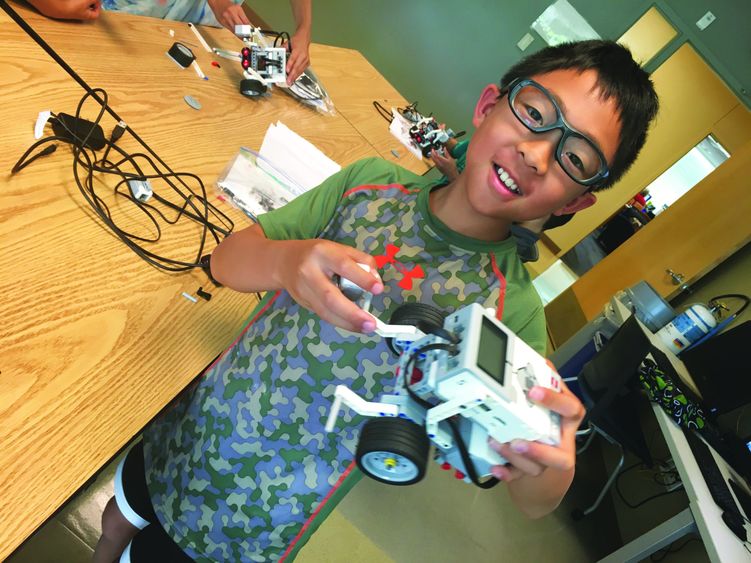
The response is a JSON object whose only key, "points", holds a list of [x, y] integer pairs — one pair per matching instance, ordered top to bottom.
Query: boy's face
{"points": [[502, 144]]}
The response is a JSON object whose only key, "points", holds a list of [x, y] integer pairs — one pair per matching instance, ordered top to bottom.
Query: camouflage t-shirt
{"points": [[241, 469]]}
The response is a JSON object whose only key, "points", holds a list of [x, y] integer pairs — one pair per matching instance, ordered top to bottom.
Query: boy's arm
{"points": [[248, 261], [539, 475]]}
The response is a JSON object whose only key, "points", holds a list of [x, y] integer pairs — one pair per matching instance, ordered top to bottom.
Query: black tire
{"points": [[252, 88], [427, 318], [394, 440]]}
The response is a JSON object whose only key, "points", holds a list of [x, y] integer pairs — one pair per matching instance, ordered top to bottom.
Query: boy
{"points": [[241, 468]]}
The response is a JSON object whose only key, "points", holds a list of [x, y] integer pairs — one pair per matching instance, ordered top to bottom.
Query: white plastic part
{"points": [[244, 30], [200, 38], [41, 122], [141, 190], [407, 333], [344, 395]]}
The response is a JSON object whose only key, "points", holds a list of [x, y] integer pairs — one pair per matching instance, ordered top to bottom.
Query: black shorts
{"points": [[151, 543]]}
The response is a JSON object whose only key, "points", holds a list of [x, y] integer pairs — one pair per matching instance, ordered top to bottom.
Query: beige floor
{"points": [[437, 520]]}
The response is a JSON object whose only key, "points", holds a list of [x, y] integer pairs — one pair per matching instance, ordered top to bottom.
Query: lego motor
{"points": [[462, 378]]}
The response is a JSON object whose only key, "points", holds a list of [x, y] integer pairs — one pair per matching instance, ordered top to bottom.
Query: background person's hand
{"points": [[69, 9], [228, 13], [299, 57], [445, 163], [306, 268]]}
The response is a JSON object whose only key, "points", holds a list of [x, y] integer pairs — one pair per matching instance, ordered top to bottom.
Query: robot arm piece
{"points": [[357, 404]]}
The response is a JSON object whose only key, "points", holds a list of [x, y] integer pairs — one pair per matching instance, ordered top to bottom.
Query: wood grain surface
{"points": [[355, 84], [94, 341]]}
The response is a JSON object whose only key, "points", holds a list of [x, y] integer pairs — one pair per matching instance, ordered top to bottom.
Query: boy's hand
{"points": [[228, 13], [445, 163], [306, 269], [532, 458]]}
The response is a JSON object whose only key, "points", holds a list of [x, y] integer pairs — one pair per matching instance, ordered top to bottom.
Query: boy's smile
{"points": [[512, 174]]}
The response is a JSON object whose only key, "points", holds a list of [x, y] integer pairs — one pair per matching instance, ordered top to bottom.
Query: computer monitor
{"points": [[719, 367]]}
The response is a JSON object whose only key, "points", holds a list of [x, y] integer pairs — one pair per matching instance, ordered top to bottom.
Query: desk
{"points": [[353, 83], [95, 342], [702, 515]]}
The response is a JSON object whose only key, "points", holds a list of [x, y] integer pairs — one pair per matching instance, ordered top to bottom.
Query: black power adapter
{"points": [[75, 130]]}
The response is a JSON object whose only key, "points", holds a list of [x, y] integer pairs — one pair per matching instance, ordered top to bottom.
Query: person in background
{"points": [[82, 10], [216, 13], [450, 162], [639, 201]]}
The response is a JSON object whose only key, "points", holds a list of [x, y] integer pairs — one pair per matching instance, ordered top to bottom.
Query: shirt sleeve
{"points": [[460, 149], [307, 215], [535, 333]]}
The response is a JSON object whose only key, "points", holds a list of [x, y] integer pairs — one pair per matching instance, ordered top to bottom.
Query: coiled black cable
{"points": [[191, 204]]}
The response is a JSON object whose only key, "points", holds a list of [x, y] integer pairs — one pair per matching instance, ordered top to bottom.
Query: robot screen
{"points": [[491, 353]]}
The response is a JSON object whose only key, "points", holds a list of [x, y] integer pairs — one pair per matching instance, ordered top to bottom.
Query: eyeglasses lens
{"points": [[578, 157]]}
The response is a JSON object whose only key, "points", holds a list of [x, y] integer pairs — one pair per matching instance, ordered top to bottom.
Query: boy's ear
{"points": [[485, 104], [580, 202]]}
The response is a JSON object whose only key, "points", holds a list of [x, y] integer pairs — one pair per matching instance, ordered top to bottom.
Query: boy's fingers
{"points": [[367, 280], [332, 306], [342, 322], [564, 403], [536, 456], [521, 460], [506, 473]]}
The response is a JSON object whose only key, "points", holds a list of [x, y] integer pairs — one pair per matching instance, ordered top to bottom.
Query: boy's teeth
{"points": [[507, 180]]}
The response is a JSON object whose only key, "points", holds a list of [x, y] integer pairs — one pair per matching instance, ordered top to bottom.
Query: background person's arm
{"points": [[68, 9], [300, 58]]}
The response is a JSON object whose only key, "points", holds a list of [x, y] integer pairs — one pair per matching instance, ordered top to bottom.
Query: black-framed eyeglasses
{"points": [[578, 155]]}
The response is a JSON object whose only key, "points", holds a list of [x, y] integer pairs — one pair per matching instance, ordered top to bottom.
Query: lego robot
{"points": [[262, 66], [427, 135], [461, 379]]}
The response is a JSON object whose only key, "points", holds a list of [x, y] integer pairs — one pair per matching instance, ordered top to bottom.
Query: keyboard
{"points": [[717, 485]]}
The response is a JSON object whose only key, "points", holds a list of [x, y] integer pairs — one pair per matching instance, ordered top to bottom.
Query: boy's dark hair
{"points": [[619, 76]]}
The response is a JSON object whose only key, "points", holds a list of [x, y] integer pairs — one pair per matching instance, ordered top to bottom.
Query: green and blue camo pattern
{"points": [[241, 462]]}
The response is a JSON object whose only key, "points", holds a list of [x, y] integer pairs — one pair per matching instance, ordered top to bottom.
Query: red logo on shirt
{"points": [[390, 258]]}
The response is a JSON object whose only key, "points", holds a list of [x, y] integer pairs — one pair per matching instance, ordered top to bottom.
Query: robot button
{"points": [[445, 466], [459, 474]]}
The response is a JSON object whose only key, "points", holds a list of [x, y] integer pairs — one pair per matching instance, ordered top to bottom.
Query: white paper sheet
{"points": [[296, 157]]}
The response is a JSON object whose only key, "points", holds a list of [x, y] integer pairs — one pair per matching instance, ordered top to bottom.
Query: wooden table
{"points": [[354, 84], [94, 341]]}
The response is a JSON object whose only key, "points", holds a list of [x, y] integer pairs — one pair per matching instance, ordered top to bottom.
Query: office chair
{"points": [[609, 389]]}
